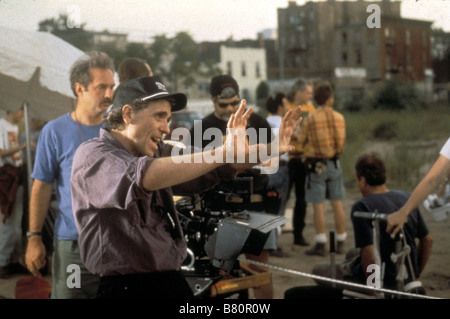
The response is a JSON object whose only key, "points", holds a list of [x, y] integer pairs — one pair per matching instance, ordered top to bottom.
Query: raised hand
{"points": [[288, 125], [238, 151]]}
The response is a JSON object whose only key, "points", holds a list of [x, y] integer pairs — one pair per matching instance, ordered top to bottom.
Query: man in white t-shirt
{"points": [[439, 170], [11, 191]]}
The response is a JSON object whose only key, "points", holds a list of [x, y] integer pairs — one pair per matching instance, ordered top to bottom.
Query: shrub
{"points": [[396, 96], [385, 131]]}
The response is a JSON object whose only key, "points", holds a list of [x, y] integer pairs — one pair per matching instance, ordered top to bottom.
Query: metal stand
{"points": [[332, 257]]}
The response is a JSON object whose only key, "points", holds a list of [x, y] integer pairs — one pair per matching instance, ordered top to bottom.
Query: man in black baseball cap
{"points": [[223, 86], [146, 89], [136, 95], [225, 96], [121, 187]]}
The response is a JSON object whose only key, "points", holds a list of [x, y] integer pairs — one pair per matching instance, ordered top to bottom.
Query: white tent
{"points": [[34, 68], [34, 72]]}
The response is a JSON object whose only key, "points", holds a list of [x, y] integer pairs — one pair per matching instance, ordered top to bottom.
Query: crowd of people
{"points": [[112, 178]]}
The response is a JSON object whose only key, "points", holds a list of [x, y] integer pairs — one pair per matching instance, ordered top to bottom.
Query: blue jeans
{"points": [[11, 238]]}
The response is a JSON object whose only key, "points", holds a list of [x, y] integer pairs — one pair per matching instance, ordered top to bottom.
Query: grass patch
{"points": [[409, 141]]}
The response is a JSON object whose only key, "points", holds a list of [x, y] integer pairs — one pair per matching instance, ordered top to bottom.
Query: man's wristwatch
{"points": [[33, 233]]}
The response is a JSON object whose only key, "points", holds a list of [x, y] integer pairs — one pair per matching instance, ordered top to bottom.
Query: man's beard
{"points": [[225, 117]]}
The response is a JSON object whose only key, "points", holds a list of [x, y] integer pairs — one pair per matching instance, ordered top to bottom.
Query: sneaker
{"points": [[340, 247], [318, 250]]}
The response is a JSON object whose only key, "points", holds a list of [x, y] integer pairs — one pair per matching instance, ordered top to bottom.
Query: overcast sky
{"points": [[212, 20]]}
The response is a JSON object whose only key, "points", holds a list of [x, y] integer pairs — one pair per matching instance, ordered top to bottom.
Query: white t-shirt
{"points": [[275, 123], [9, 137], [446, 149]]}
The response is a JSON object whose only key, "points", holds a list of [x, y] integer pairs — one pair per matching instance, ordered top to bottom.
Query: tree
{"points": [[75, 35], [159, 58], [174, 60], [186, 62], [262, 93], [396, 96]]}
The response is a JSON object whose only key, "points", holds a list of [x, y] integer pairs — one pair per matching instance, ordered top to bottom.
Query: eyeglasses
{"points": [[224, 105]]}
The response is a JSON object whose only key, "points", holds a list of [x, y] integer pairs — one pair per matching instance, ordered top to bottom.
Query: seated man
{"points": [[371, 178], [129, 232]]}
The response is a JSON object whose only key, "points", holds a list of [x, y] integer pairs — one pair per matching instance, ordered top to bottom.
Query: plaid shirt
{"points": [[307, 109], [323, 133]]}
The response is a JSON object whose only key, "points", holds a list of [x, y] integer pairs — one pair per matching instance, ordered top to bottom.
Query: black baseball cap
{"points": [[219, 85], [146, 89]]}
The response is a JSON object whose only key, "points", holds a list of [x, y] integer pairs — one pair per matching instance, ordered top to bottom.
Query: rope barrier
{"points": [[336, 281]]}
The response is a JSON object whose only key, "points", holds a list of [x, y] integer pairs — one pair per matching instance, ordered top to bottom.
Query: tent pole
{"points": [[28, 149]]}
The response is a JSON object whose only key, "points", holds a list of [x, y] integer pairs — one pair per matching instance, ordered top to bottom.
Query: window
{"points": [[293, 20], [387, 32], [357, 36], [344, 37], [424, 38], [303, 41], [344, 57], [358, 57], [408, 61], [229, 68], [243, 69], [258, 70]]}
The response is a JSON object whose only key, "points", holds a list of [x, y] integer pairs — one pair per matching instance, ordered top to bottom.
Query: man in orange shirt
{"points": [[299, 94]]}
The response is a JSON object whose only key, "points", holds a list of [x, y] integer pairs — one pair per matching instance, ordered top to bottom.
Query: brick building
{"points": [[332, 40]]}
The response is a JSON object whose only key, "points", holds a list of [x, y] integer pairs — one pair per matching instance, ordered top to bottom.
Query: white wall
{"points": [[250, 57]]}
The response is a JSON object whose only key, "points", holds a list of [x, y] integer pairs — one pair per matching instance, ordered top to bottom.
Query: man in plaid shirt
{"points": [[323, 138]]}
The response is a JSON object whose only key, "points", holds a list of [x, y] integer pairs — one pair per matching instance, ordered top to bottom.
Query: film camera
{"points": [[223, 227]]}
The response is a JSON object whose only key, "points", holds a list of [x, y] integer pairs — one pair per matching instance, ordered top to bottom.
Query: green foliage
{"points": [[78, 37], [175, 60], [186, 62], [262, 91], [396, 96], [353, 105], [385, 131], [419, 135], [405, 163]]}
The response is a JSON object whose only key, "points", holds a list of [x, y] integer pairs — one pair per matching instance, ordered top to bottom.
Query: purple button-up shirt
{"points": [[122, 227]]}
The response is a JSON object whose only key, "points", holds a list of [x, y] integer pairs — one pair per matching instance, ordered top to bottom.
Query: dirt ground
{"points": [[435, 279]]}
